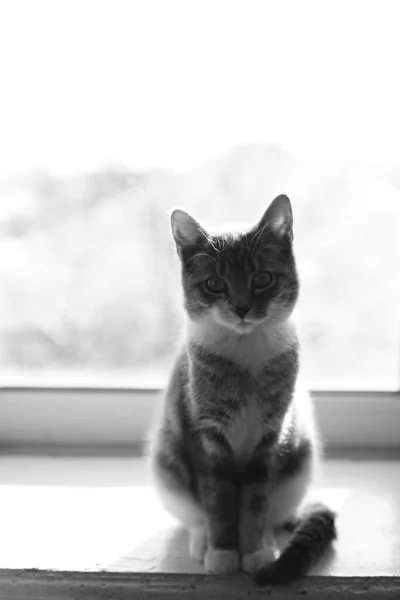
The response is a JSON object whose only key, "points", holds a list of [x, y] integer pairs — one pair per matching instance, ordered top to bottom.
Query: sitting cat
{"points": [[236, 446]]}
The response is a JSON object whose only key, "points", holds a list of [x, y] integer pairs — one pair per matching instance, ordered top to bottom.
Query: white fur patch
{"points": [[251, 350], [244, 431], [177, 502], [198, 542], [254, 561], [221, 562]]}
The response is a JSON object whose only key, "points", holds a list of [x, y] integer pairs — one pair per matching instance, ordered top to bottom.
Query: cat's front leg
{"points": [[218, 495], [256, 538]]}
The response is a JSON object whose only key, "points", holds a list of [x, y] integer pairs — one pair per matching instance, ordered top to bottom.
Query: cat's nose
{"points": [[241, 310]]}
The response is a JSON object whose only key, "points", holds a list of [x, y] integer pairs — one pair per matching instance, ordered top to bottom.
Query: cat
{"points": [[235, 446]]}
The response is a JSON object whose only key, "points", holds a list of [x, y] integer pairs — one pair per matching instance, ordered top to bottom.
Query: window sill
{"points": [[94, 527], [52, 585]]}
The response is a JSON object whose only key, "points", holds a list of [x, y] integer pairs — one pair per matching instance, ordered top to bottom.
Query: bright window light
{"points": [[112, 113]]}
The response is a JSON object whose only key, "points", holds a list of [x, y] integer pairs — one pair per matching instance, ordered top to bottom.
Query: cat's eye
{"points": [[262, 280], [215, 285]]}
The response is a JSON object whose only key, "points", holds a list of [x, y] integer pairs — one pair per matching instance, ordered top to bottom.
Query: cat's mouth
{"points": [[233, 323], [244, 326]]}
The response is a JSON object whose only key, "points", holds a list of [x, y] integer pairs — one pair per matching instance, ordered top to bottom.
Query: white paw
{"points": [[198, 543], [253, 561], [222, 562]]}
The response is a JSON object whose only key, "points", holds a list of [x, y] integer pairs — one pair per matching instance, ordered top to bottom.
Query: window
{"points": [[111, 114], [99, 140]]}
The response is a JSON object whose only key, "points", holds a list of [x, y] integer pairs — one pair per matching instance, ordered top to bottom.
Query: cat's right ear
{"points": [[278, 218], [186, 230]]}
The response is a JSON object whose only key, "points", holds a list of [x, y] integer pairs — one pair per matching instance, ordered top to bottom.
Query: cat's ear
{"points": [[278, 218], [186, 230]]}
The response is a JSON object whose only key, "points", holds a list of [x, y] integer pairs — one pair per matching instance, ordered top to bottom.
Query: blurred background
{"points": [[113, 112]]}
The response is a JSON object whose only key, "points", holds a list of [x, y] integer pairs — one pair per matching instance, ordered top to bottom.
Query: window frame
{"points": [[116, 420]]}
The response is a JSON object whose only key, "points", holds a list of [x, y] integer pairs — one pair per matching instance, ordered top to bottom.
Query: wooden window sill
{"points": [[93, 526]]}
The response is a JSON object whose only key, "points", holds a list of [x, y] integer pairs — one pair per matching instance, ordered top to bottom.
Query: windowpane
{"points": [[99, 140]]}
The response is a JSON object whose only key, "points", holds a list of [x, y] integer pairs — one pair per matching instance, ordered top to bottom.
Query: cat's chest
{"points": [[244, 431]]}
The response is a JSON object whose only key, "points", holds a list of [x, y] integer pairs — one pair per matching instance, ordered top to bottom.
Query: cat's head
{"points": [[239, 281]]}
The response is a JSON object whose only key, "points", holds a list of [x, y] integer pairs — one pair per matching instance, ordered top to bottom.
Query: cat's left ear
{"points": [[278, 218]]}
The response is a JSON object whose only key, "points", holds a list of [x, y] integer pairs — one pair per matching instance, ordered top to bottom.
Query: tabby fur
{"points": [[235, 446]]}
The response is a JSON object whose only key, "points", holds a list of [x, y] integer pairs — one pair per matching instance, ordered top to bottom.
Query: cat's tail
{"points": [[311, 538]]}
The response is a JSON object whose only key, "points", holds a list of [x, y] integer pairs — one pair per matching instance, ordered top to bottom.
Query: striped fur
{"points": [[235, 445], [314, 533]]}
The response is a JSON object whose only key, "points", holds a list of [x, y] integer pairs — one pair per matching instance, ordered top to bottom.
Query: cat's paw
{"points": [[198, 543], [253, 561], [221, 562]]}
